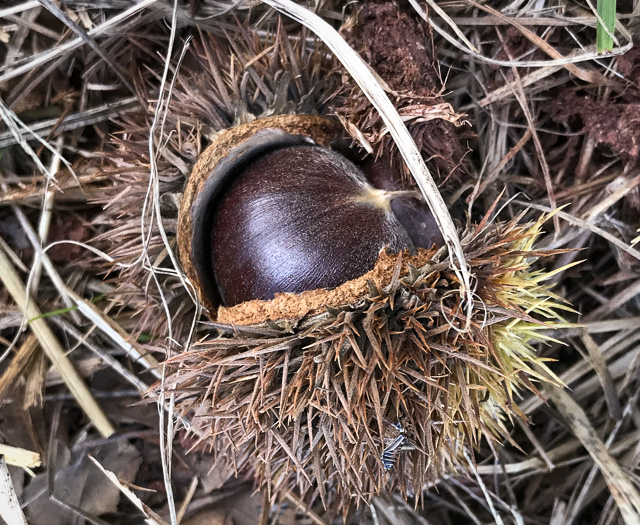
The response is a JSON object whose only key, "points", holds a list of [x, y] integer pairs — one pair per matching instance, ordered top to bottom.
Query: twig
{"points": [[19, 8], [60, 15], [452, 25], [589, 53], [47, 56], [73, 121], [17, 129], [542, 159], [600, 207], [45, 221], [574, 221], [41, 257], [83, 339], [599, 364], [17, 365], [166, 440], [20, 457], [483, 488], [187, 499], [152, 517]]}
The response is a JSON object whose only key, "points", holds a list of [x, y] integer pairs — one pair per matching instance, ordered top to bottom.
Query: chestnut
{"points": [[272, 209], [414, 214], [299, 218]]}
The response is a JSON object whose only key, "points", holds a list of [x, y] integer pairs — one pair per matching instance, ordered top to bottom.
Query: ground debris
{"points": [[565, 122]]}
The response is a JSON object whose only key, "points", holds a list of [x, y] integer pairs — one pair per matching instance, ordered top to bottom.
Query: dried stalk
{"points": [[370, 85], [52, 347]]}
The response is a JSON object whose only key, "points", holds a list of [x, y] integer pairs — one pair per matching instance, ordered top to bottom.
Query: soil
{"points": [[397, 44], [397, 47], [629, 66], [614, 122], [616, 125], [68, 228]]}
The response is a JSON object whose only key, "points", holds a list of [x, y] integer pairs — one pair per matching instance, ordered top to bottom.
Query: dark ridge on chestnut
{"points": [[296, 219]]}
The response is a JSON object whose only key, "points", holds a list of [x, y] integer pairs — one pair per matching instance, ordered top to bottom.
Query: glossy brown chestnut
{"points": [[270, 208], [299, 218]]}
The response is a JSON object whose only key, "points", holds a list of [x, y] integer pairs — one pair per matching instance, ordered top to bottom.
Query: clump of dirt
{"points": [[514, 45], [398, 47], [629, 66], [612, 124], [64, 227], [68, 228]]}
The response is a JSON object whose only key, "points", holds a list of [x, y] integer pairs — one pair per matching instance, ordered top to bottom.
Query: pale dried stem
{"points": [[19, 8], [588, 54], [47, 56], [371, 87], [522, 100], [627, 186], [575, 221], [41, 257], [115, 332], [621, 342], [52, 347], [599, 364], [16, 367], [20, 457], [625, 494], [187, 499], [10, 510], [151, 517]]}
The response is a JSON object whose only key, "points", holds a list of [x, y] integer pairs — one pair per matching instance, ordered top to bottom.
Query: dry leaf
{"points": [[83, 485], [243, 508]]}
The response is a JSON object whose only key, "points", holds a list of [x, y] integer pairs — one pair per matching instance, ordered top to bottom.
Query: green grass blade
{"points": [[607, 11], [62, 311]]}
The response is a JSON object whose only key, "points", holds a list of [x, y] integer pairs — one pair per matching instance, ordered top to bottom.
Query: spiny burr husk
{"points": [[308, 400], [309, 404]]}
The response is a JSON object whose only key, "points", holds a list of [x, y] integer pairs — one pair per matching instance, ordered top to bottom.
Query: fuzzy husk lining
{"points": [[295, 306]]}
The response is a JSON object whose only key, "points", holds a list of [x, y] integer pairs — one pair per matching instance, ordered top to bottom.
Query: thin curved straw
{"points": [[371, 87]]}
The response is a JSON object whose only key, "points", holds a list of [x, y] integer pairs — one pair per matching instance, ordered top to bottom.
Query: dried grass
{"points": [[517, 69]]}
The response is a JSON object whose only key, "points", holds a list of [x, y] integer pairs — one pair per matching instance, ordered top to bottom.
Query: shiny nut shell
{"points": [[215, 169]]}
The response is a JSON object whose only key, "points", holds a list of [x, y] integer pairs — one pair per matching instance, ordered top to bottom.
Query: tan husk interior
{"points": [[321, 129], [296, 306]]}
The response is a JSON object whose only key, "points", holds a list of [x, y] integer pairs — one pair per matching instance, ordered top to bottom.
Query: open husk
{"points": [[320, 130], [305, 393]]}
